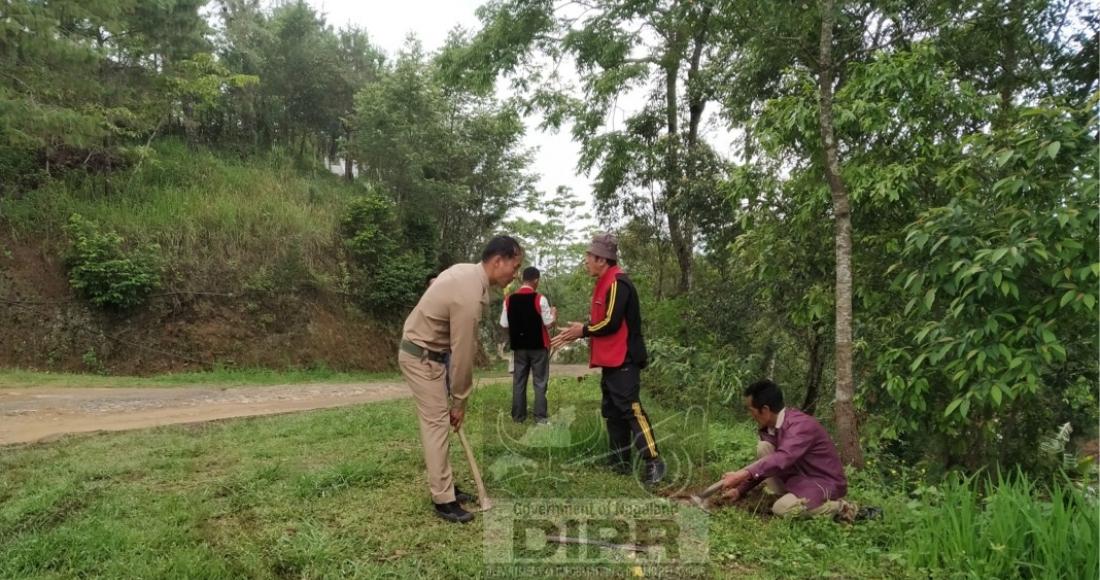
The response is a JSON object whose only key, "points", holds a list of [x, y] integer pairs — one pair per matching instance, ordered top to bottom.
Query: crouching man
{"points": [[796, 460]]}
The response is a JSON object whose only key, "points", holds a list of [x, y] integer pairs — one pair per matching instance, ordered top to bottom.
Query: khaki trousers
{"points": [[427, 381], [790, 504]]}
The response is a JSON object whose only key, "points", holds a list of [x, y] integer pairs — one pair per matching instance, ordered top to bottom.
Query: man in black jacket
{"points": [[618, 347]]}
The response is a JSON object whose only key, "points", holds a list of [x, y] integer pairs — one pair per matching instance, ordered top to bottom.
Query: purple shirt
{"points": [[805, 461]]}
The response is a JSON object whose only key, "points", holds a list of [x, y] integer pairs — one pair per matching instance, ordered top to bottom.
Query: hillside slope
{"points": [[252, 270]]}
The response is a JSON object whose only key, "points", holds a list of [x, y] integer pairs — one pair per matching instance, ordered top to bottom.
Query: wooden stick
{"points": [[710, 490], [482, 495], [586, 541]]}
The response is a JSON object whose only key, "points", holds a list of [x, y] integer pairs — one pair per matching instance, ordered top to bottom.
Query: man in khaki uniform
{"points": [[444, 323]]}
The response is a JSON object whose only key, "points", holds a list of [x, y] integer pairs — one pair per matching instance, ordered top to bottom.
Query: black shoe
{"points": [[654, 471], [463, 497], [452, 512], [850, 513], [868, 513]]}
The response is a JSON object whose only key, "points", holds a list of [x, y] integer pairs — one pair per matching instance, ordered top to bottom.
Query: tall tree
{"points": [[658, 50], [450, 159], [843, 405]]}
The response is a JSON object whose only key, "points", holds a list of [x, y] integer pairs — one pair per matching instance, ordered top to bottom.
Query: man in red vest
{"points": [[527, 314], [617, 346]]}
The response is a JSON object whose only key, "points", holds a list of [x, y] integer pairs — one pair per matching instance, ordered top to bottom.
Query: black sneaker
{"points": [[654, 471], [463, 497], [452, 512], [851, 513], [867, 513]]}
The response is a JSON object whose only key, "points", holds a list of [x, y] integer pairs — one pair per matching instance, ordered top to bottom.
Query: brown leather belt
{"points": [[421, 352]]}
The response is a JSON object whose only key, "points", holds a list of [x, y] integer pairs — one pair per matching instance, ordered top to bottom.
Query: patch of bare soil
{"points": [[38, 414]]}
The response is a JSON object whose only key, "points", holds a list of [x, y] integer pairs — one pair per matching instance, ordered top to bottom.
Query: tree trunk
{"points": [[349, 172], [679, 230], [767, 361], [813, 372], [843, 407]]}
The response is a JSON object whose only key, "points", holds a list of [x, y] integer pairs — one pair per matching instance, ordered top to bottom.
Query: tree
{"points": [[661, 49], [450, 159], [843, 406]]}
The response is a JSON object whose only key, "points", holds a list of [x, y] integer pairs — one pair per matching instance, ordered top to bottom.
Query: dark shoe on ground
{"points": [[519, 419], [654, 471], [463, 497], [452, 512], [851, 513], [868, 513]]}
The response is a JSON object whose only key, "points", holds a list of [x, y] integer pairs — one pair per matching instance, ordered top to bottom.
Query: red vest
{"points": [[538, 310], [606, 351]]}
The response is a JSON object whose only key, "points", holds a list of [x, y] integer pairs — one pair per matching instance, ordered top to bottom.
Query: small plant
{"points": [[103, 270], [91, 361]]}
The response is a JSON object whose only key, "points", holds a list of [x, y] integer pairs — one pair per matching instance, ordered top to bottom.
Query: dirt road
{"points": [[42, 413]]}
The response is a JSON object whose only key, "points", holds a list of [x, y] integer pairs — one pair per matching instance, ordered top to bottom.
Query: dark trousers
{"points": [[535, 362], [626, 420]]}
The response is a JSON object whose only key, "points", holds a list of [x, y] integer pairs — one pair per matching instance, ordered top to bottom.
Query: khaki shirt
{"points": [[446, 319]]}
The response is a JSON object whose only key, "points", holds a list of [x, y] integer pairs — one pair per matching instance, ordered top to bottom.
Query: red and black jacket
{"points": [[615, 322]]}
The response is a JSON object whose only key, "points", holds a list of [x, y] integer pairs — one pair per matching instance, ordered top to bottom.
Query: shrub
{"points": [[104, 271], [394, 285]]}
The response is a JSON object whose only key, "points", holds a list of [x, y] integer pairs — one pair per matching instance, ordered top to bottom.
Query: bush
{"points": [[369, 229], [104, 271], [394, 285]]}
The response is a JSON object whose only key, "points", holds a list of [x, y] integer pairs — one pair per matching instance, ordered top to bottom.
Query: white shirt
{"points": [[544, 308], [778, 421]]}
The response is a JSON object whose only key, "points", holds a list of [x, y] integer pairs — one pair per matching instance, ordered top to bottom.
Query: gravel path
{"points": [[43, 413]]}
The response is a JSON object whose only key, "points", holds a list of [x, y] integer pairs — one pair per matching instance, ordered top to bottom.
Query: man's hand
{"points": [[567, 335], [457, 415], [733, 479], [731, 482]]}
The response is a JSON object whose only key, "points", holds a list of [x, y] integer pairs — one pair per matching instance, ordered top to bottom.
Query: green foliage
{"points": [[451, 159], [369, 229], [105, 271], [388, 277], [1001, 283], [395, 286], [684, 376], [1015, 529]]}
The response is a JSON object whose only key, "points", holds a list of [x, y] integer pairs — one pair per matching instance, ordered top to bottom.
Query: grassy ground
{"points": [[341, 493]]}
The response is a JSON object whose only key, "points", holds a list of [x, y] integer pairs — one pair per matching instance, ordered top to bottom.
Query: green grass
{"points": [[206, 210], [17, 378], [341, 493], [1015, 530]]}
